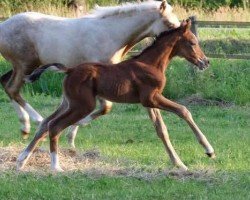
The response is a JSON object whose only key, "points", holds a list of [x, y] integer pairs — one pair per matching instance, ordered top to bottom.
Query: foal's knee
{"points": [[184, 113]]}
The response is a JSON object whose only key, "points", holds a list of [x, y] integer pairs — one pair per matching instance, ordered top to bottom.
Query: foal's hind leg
{"points": [[165, 104], [105, 107], [69, 117], [162, 132], [40, 134]]}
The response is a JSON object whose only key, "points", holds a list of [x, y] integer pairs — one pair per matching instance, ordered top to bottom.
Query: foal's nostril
{"points": [[206, 61]]}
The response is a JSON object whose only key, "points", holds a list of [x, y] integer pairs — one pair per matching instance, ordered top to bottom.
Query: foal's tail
{"points": [[35, 75]]}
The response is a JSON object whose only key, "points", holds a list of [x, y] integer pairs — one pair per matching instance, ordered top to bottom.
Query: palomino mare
{"points": [[28, 40], [137, 80]]}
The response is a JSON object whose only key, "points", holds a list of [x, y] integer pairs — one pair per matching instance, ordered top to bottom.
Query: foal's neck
{"points": [[160, 53]]}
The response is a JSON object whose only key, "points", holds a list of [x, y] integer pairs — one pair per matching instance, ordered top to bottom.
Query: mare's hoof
{"points": [[25, 135], [211, 155], [20, 165], [57, 169]]}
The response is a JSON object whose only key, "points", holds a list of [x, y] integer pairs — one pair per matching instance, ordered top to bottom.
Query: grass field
{"points": [[120, 157], [128, 160]]}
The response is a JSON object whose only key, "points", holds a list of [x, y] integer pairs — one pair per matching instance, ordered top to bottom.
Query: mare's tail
{"points": [[35, 75]]}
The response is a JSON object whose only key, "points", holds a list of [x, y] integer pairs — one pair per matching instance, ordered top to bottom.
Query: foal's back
{"points": [[122, 83]]}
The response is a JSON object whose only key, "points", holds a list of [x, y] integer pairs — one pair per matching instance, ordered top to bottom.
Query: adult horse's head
{"points": [[154, 16], [164, 19], [168, 20], [188, 47]]}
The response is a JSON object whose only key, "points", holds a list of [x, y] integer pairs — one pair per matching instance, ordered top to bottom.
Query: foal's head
{"points": [[188, 47]]}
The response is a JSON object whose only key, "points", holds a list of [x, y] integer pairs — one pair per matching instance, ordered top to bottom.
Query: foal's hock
{"points": [[138, 80]]}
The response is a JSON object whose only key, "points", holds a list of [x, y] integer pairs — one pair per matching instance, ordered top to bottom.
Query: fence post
{"points": [[194, 27]]}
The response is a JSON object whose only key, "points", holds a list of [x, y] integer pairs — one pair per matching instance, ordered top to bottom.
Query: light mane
{"points": [[126, 9]]}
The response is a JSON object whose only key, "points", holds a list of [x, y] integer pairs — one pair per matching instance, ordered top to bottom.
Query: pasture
{"points": [[120, 156]]}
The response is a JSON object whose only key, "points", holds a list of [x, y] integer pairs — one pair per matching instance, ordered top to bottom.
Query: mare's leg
{"points": [[5, 78], [12, 83], [161, 102], [105, 107], [162, 132], [40, 134]]}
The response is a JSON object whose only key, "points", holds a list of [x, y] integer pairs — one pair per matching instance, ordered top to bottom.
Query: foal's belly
{"points": [[120, 92], [121, 99]]}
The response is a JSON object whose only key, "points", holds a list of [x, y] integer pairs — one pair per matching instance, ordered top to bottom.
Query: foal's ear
{"points": [[163, 5], [189, 23], [186, 25]]}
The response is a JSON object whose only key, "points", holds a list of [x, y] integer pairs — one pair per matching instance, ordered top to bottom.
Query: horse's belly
{"points": [[122, 92], [122, 98]]}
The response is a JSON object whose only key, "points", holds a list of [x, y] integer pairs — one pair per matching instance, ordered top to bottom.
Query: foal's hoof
{"points": [[25, 135], [211, 155], [183, 168]]}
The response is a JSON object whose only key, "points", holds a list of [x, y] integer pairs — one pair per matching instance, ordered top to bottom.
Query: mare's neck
{"points": [[126, 32], [160, 53]]}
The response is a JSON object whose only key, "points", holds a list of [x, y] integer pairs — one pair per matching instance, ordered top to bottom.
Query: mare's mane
{"points": [[125, 9]]}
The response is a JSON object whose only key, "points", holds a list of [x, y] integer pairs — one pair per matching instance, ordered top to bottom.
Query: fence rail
{"points": [[223, 23], [211, 24], [214, 24], [210, 55]]}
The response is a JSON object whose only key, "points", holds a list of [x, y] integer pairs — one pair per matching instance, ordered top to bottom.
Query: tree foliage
{"points": [[211, 4]]}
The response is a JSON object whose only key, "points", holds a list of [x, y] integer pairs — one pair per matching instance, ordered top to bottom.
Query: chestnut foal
{"points": [[140, 79]]}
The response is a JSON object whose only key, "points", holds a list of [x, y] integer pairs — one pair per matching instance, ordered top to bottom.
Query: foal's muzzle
{"points": [[203, 63]]}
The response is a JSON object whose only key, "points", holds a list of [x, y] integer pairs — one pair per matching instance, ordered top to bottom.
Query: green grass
{"points": [[225, 40], [225, 80], [226, 128], [127, 140]]}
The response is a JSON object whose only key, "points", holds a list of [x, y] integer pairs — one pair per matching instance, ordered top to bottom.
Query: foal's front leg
{"points": [[166, 104], [162, 132]]}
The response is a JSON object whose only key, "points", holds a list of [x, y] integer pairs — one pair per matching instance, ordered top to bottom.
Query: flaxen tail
{"points": [[35, 75]]}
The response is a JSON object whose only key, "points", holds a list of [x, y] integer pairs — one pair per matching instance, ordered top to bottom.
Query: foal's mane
{"points": [[125, 9], [163, 34]]}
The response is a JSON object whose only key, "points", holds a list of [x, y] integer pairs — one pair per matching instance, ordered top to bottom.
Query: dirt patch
{"points": [[197, 99], [90, 163]]}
